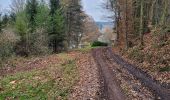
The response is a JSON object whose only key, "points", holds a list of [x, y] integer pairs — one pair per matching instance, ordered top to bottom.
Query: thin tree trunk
{"points": [[165, 10], [151, 13], [117, 16], [164, 16], [141, 22], [0, 23], [126, 29]]}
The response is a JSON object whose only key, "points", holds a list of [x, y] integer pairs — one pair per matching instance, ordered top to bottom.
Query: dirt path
{"points": [[99, 76], [112, 90]]}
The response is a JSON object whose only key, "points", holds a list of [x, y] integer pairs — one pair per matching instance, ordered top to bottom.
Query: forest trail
{"points": [[105, 60], [97, 74], [111, 90]]}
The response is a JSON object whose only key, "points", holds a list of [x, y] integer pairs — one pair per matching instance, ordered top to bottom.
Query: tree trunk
{"points": [[151, 13], [164, 14], [141, 22], [126, 29]]}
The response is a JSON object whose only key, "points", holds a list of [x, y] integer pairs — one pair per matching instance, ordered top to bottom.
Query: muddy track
{"points": [[102, 54], [110, 89]]}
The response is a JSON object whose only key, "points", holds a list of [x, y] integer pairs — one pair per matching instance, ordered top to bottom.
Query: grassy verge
{"points": [[86, 49], [52, 82]]}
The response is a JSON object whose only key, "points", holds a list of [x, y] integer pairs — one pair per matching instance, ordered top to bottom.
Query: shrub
{"points": [[7, 42], [98, 43], [33, 44], [39, 44], [6, 50]]}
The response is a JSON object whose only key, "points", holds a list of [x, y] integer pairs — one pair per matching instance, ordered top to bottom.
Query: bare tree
{"points": [[17, 5]]}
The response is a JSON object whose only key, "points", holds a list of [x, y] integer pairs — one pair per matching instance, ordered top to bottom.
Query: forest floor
{"points": [[153, 58], [85, 74], [72, 75], [38, 78], [132, 82]]}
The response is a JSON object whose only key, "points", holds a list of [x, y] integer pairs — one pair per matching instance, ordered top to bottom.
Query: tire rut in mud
{"points": [[156, 87], [110, 88]]}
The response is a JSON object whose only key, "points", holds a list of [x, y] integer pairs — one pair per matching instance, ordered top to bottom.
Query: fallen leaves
{"points": [[154, 59], [27, 64], [13, 82], [87, 87]]}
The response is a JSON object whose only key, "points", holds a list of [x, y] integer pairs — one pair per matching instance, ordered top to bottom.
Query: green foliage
{"points": [[54, 5], [31, 11], [12, 17], [41, 18], [74, 19], [5, 20], [21, 24], [39, 26], [56, 26], [31, 27], [98, 43], [165, 69]]}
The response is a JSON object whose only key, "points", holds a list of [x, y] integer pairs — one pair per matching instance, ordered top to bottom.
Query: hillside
{"points": [[103, 25], [85, 50], [153, 58]]}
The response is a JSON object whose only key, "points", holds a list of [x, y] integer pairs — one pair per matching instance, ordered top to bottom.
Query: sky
{"points": [[4, 5], [94, 8]]}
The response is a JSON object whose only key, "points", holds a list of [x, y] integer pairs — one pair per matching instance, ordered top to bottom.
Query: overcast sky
{"points": [[4, 4], [94, 8]]}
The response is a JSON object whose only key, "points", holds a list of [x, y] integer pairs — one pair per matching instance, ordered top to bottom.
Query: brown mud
{"points": [[111, 89]]}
